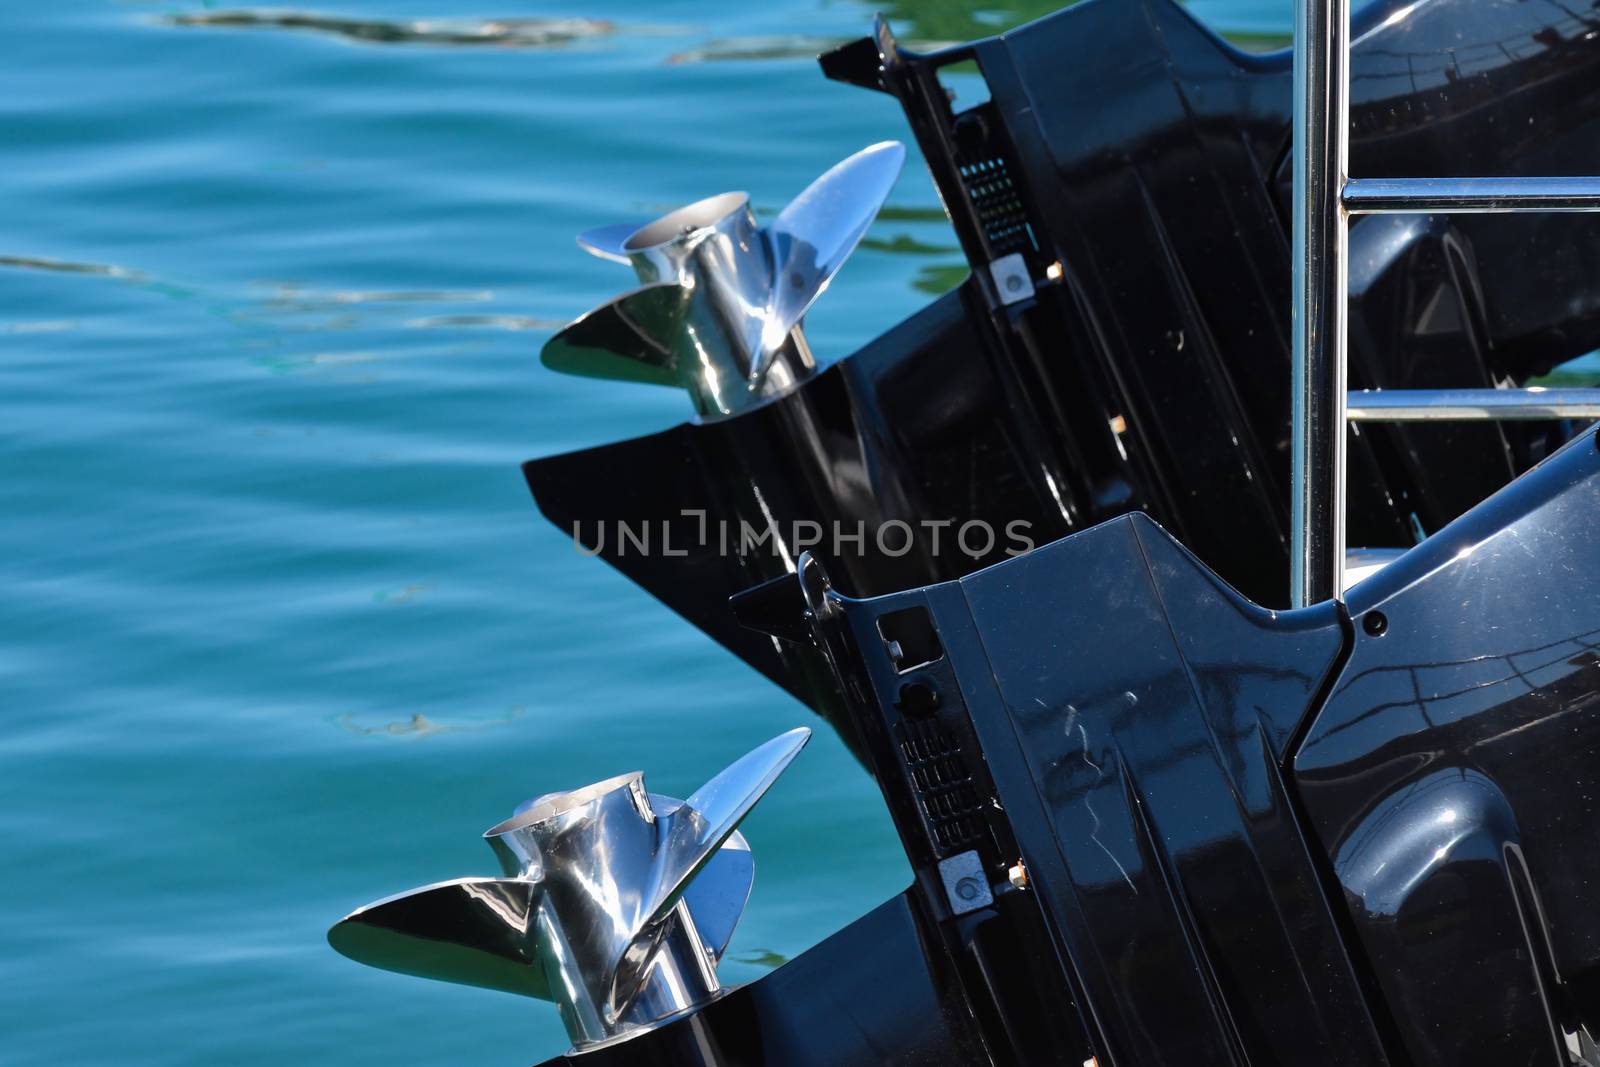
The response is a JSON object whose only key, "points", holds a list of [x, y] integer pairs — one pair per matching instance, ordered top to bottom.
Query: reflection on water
{"points": [[960, 20], [920, 25], [504, 33], [788, 46], [904, 213], [906, 245], [66, 266], [936, 279], [407, 296], [296, 297], [282, 298], [291, 305], [496, 322], [324, 359], [404, 595], [419, 725], [764, 958]]}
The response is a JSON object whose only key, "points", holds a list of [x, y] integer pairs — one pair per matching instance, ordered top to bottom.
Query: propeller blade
{"points": [[813, 236], [607, 241], [630, 339], [692, 833], [717, 895], [473, 931]]}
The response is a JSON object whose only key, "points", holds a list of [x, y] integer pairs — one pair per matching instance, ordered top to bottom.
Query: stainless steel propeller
{"points": [[721, 301], [615, 903]]}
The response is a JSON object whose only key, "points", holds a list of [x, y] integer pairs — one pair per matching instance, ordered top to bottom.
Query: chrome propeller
{"points": [[722, 300], [616, 903]]}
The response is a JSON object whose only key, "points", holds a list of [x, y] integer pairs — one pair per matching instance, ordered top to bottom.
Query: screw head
{"points": [[1017, 875], [967, 889]]}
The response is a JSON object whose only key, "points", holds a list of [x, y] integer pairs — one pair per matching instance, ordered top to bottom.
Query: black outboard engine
{"points": [[1122, 343], [1153, 819], [1355, 833]]}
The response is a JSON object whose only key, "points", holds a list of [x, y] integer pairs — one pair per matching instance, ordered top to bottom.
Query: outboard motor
{"points": [[1121, 343], [1152, 819]]}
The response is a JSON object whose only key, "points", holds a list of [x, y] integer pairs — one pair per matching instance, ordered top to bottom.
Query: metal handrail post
{"points": [[1321, 164]]}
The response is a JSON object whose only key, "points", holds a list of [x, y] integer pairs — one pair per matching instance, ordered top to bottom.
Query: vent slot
{"points": [[997, 204], [946, 794]]}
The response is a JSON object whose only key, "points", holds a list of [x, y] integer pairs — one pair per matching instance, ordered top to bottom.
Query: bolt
{"points": [[1014, 283], [1017, 875], [967, 889]]}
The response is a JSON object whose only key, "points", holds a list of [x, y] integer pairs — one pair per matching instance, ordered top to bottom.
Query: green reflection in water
{"points": [[959, 20], [953, 21], [498, 33], [905, 244], [937, 279], [765, 958]]}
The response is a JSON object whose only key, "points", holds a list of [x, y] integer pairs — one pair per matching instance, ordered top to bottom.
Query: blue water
{"points": [[280, 631]]}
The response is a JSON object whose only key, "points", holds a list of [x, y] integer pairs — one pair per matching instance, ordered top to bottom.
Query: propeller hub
{"points": [[610, 967]]}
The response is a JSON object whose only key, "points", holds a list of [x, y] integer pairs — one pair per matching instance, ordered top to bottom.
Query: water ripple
{"points": [[503, 33], [788, 46], [65, 266], [498, 322], [419, 725]]}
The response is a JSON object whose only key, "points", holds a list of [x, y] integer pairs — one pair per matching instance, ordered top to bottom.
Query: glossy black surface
{"points": [[1460, 88], [1469, 88], [1129, 145], [1140, 147], [915, 426], [1147, 707], [1109, 712], [1453, 775], [1253, 836], [875, 993]]}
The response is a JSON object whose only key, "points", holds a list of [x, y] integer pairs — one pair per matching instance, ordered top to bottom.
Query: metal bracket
{"points": [[1012, 282], [965, 885]]}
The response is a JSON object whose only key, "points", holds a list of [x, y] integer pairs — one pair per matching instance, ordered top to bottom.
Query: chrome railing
{"points": [[1324, 199]]}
